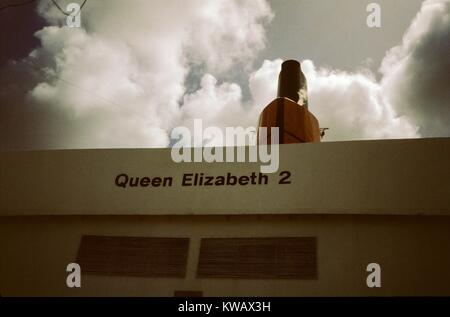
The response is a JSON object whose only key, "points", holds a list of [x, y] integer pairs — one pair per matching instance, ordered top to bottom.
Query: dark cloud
{"points": [[18, 25], [417, 73]]}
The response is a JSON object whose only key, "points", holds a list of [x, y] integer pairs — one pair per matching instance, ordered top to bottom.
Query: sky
{"points": [[342, 39], [135, 70]]}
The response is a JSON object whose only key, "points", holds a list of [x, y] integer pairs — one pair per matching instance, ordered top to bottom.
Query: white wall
{"points": [[363, 177], [412, 251]]}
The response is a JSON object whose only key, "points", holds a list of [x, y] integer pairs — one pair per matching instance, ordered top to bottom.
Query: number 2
{"points": [[285, 178]]}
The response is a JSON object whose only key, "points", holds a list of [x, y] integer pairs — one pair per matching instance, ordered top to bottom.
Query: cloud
{"points": [[416, 74], [120, 80], [263, 83], [412, 99], [222, 104], [353, 106]]}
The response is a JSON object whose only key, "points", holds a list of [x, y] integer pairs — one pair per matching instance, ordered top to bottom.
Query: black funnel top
{"points": [[292, 82]]}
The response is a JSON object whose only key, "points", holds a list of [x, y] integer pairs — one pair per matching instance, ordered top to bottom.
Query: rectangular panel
{"points": [[133, 256], [258, 258], [188, 294]]}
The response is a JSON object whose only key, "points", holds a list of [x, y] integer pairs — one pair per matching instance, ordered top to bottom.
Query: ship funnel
{"points": [[292, 83], [289, 111]]}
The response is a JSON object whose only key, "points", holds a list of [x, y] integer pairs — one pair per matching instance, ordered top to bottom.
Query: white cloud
{"points": [[228, 32], [119, 80], [264, 82], [353, 106]]}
